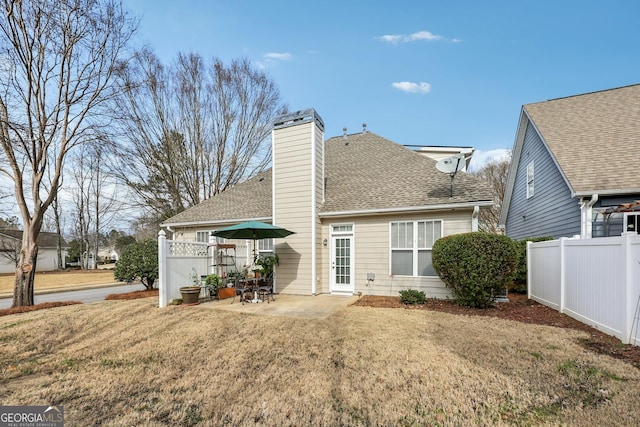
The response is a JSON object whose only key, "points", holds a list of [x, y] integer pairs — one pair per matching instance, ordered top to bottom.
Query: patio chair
{"points": [[242, 287], [265, 289]]}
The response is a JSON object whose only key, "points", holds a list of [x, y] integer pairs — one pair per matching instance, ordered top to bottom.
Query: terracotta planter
{"points": [[226, 293], [190, 295]]}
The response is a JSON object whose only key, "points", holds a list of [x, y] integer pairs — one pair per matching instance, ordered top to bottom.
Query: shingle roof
{"points": [[594, 137], [363, 172], [367, 172], [246, 200], [45, 239]]}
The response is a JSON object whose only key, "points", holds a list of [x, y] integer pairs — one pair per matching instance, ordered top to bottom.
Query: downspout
{"points": [[587, 215], [474, 218], [173, 233]]}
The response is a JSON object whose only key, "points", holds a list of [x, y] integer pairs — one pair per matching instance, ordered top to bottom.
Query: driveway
{"points": [[84, 295]]}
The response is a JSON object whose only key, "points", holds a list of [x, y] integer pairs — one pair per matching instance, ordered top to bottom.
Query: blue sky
{"points": [[417, 72]]}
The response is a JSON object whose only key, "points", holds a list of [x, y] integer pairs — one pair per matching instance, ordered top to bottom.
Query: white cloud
{"points": [[423, 35], [417, 36], [390, 38], [278, 56], [271, 58], [411, 87], [481, 158]]}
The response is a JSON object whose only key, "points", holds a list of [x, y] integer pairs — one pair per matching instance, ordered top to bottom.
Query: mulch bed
{"points": [[133, 295], [522, 309], [15, 310]]}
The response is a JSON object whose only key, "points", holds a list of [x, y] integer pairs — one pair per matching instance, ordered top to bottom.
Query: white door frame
{"points": [[342, 233]]}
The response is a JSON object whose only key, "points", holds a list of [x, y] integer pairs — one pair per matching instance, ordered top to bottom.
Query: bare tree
{"points": [[57, 74], [193, 129], [495, 173]]}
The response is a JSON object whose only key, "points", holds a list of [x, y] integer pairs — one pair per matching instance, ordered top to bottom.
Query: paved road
{"points": [[83, 295]]}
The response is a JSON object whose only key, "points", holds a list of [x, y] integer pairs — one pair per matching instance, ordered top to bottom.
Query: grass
{"points": [[57, 280], [363, 366]]}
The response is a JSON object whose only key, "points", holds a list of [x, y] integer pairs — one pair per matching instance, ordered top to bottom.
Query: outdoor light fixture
{"points": [[324, 242]]}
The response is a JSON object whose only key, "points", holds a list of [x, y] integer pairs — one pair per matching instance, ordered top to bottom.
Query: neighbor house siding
{"points": [[293, 177], [551, 211]]}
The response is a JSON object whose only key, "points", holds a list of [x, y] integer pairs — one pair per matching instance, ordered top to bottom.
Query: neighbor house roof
{"points": [[594, 138], [364, 172], [45, 239]]}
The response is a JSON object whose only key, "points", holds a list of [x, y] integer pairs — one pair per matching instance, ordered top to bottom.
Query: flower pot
{"points": [[226, 293], [190, 295]]}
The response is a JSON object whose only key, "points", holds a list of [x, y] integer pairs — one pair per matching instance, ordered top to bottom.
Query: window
{"points": [[530, 179], [632, 222], [202, 236], [411, 243], [265, 247]]}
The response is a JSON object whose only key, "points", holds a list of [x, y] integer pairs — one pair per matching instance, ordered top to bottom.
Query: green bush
{"points": [[139, 261], [475, 266], [520, 282], [412, 296]]}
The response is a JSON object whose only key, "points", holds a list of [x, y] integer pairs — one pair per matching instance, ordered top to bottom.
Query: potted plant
{"points": [[267, 264], [213, 283], [191, 294]]}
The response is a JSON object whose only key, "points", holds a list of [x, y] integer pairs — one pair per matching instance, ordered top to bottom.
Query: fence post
{"points": [[529, 264], [562, 272], [163, 288], [628, 288]]}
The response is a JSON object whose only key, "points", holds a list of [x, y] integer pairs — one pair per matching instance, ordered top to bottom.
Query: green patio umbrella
{"points": [[254, 230]]}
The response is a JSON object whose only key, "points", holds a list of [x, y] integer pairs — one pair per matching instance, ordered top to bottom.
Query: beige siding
{"points": [[295, 183], [371, 249]]}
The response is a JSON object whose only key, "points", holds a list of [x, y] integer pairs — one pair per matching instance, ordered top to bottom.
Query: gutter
{"points": [[406, 209]]}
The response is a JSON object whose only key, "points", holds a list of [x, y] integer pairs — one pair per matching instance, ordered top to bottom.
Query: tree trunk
{"points": [[25, 274]]}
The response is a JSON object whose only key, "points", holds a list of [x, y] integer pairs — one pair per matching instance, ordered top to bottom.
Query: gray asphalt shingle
{"points": [[594, 137], [363, 172]]}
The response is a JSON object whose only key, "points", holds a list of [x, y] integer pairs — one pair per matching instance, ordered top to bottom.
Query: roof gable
{"points": [[594, 138]]}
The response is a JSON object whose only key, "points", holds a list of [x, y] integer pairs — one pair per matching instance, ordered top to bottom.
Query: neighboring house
{"points": [[442, 152], [575, 167], [358, 204], [11, 242], [108, 255]]}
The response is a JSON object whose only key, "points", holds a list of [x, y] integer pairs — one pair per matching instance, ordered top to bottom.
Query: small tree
{"points": [[139, 261], [475, 266]]}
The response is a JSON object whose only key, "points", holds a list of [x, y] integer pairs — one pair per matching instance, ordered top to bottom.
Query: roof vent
{"points": [[364, 128], [344, 136]]}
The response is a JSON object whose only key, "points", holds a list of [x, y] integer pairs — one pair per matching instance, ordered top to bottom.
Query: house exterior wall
{"points": [[296, 190], [551, 211], [372, 252], [47, 261]]}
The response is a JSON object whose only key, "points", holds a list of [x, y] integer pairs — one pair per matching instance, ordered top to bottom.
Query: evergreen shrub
{"points": [[475, 266]]}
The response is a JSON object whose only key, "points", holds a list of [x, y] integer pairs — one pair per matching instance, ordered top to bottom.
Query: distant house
{"points": [[436, 152], [576, 167], [362, 207], [11, 241]]}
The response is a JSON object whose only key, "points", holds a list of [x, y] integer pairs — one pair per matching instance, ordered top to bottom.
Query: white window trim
{"points": [[530, 180], [626, 216], [415, 249]]}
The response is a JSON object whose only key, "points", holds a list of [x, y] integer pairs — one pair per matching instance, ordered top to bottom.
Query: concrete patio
{"points": [[310, 307]]}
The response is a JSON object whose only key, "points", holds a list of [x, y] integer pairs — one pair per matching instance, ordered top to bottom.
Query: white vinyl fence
{"points": [[177, 261], [596, 281]]}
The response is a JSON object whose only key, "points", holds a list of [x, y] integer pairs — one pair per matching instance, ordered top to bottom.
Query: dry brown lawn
{"points": [[57, 280], [130, 363]]}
